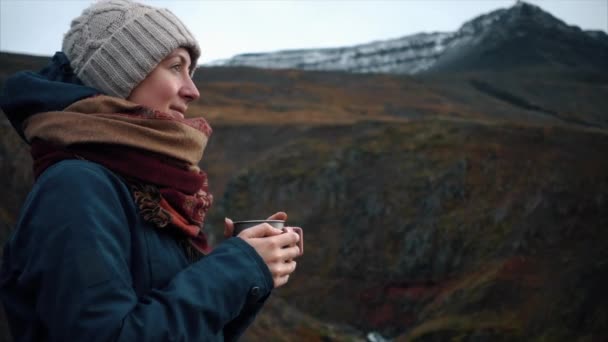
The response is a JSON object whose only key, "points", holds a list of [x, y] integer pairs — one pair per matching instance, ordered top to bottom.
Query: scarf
{"points": [[154, 152]]}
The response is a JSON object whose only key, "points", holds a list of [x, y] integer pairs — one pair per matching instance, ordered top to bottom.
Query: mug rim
{"points": [[259, 221]]}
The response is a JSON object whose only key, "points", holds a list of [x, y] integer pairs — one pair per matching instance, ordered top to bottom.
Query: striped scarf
{"points": [[154, 152]]}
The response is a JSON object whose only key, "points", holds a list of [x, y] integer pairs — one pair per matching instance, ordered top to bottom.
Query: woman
{"points": [[109, 243]]}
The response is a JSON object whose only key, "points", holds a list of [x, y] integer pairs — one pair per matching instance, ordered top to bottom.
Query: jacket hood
{"points": [[55, 87]]}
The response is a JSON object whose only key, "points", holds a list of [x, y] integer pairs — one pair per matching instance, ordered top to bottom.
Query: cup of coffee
{"points": [[239, 226]]}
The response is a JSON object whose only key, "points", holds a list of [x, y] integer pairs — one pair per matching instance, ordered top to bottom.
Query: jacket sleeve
{"points": [[77, 237]]}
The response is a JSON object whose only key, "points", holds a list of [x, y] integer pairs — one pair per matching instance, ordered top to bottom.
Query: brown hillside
{"points": [[292, 96]]}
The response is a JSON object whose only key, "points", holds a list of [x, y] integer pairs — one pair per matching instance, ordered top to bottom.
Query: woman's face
{"points": [[168, 88]]}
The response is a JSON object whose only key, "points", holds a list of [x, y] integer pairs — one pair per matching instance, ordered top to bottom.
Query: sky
{"points": [[230, 27]]}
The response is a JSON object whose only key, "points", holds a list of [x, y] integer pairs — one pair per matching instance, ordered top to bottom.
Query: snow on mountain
{"points": [[419, 52], [410, 54]]}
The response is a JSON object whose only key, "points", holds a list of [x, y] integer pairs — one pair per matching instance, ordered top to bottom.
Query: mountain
{"points": [[521, 35], [407, 55]]}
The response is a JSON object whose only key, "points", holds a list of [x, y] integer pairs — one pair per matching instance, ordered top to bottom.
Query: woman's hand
{"points": [[276, 247]]}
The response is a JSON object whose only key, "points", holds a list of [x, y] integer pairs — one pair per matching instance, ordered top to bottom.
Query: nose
{"points": [[189, 91]]}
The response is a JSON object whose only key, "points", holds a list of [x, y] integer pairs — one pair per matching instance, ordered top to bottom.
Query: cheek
{"points": [[163, 91], [153, 93]]}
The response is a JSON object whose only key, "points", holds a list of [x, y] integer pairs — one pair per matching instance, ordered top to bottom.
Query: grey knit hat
{"points": [[114, 44]]}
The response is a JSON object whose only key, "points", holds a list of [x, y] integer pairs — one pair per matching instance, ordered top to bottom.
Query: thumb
{"points": [[281, 215], [228, 227], [260, 231]]}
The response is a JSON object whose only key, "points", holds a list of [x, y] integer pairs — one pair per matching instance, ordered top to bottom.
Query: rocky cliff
{"points": [[434, 229]]}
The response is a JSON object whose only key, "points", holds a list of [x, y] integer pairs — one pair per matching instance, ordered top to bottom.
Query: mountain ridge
{"points": [[477, 40]]}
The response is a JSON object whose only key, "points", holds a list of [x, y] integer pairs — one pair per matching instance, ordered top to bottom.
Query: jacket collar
{"points": [[55, 87]]}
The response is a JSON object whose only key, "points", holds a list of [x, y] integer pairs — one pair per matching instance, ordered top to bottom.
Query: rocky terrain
{"points": [[468, 204], [440, 228]]}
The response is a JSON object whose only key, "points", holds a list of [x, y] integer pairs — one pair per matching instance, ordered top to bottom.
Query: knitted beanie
{"points": [[114, 44]]}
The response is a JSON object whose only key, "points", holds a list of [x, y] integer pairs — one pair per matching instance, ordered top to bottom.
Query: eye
{"points": [[177, 67]]}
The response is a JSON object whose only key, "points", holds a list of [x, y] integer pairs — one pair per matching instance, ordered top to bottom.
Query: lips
{"points": [[178, 111]]}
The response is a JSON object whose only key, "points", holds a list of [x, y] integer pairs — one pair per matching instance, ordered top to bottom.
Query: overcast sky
{"points": [[226, 28]]}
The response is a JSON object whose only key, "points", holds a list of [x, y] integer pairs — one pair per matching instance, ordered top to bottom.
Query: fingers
{"points": [[300, 233], [287, 238], [275, 248], [288, 253], [282, 254], [284, 268], [281, 272], [280, 281]]}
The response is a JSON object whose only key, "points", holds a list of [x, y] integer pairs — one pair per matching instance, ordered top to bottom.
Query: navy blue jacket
{"points": [[82, 265]]}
